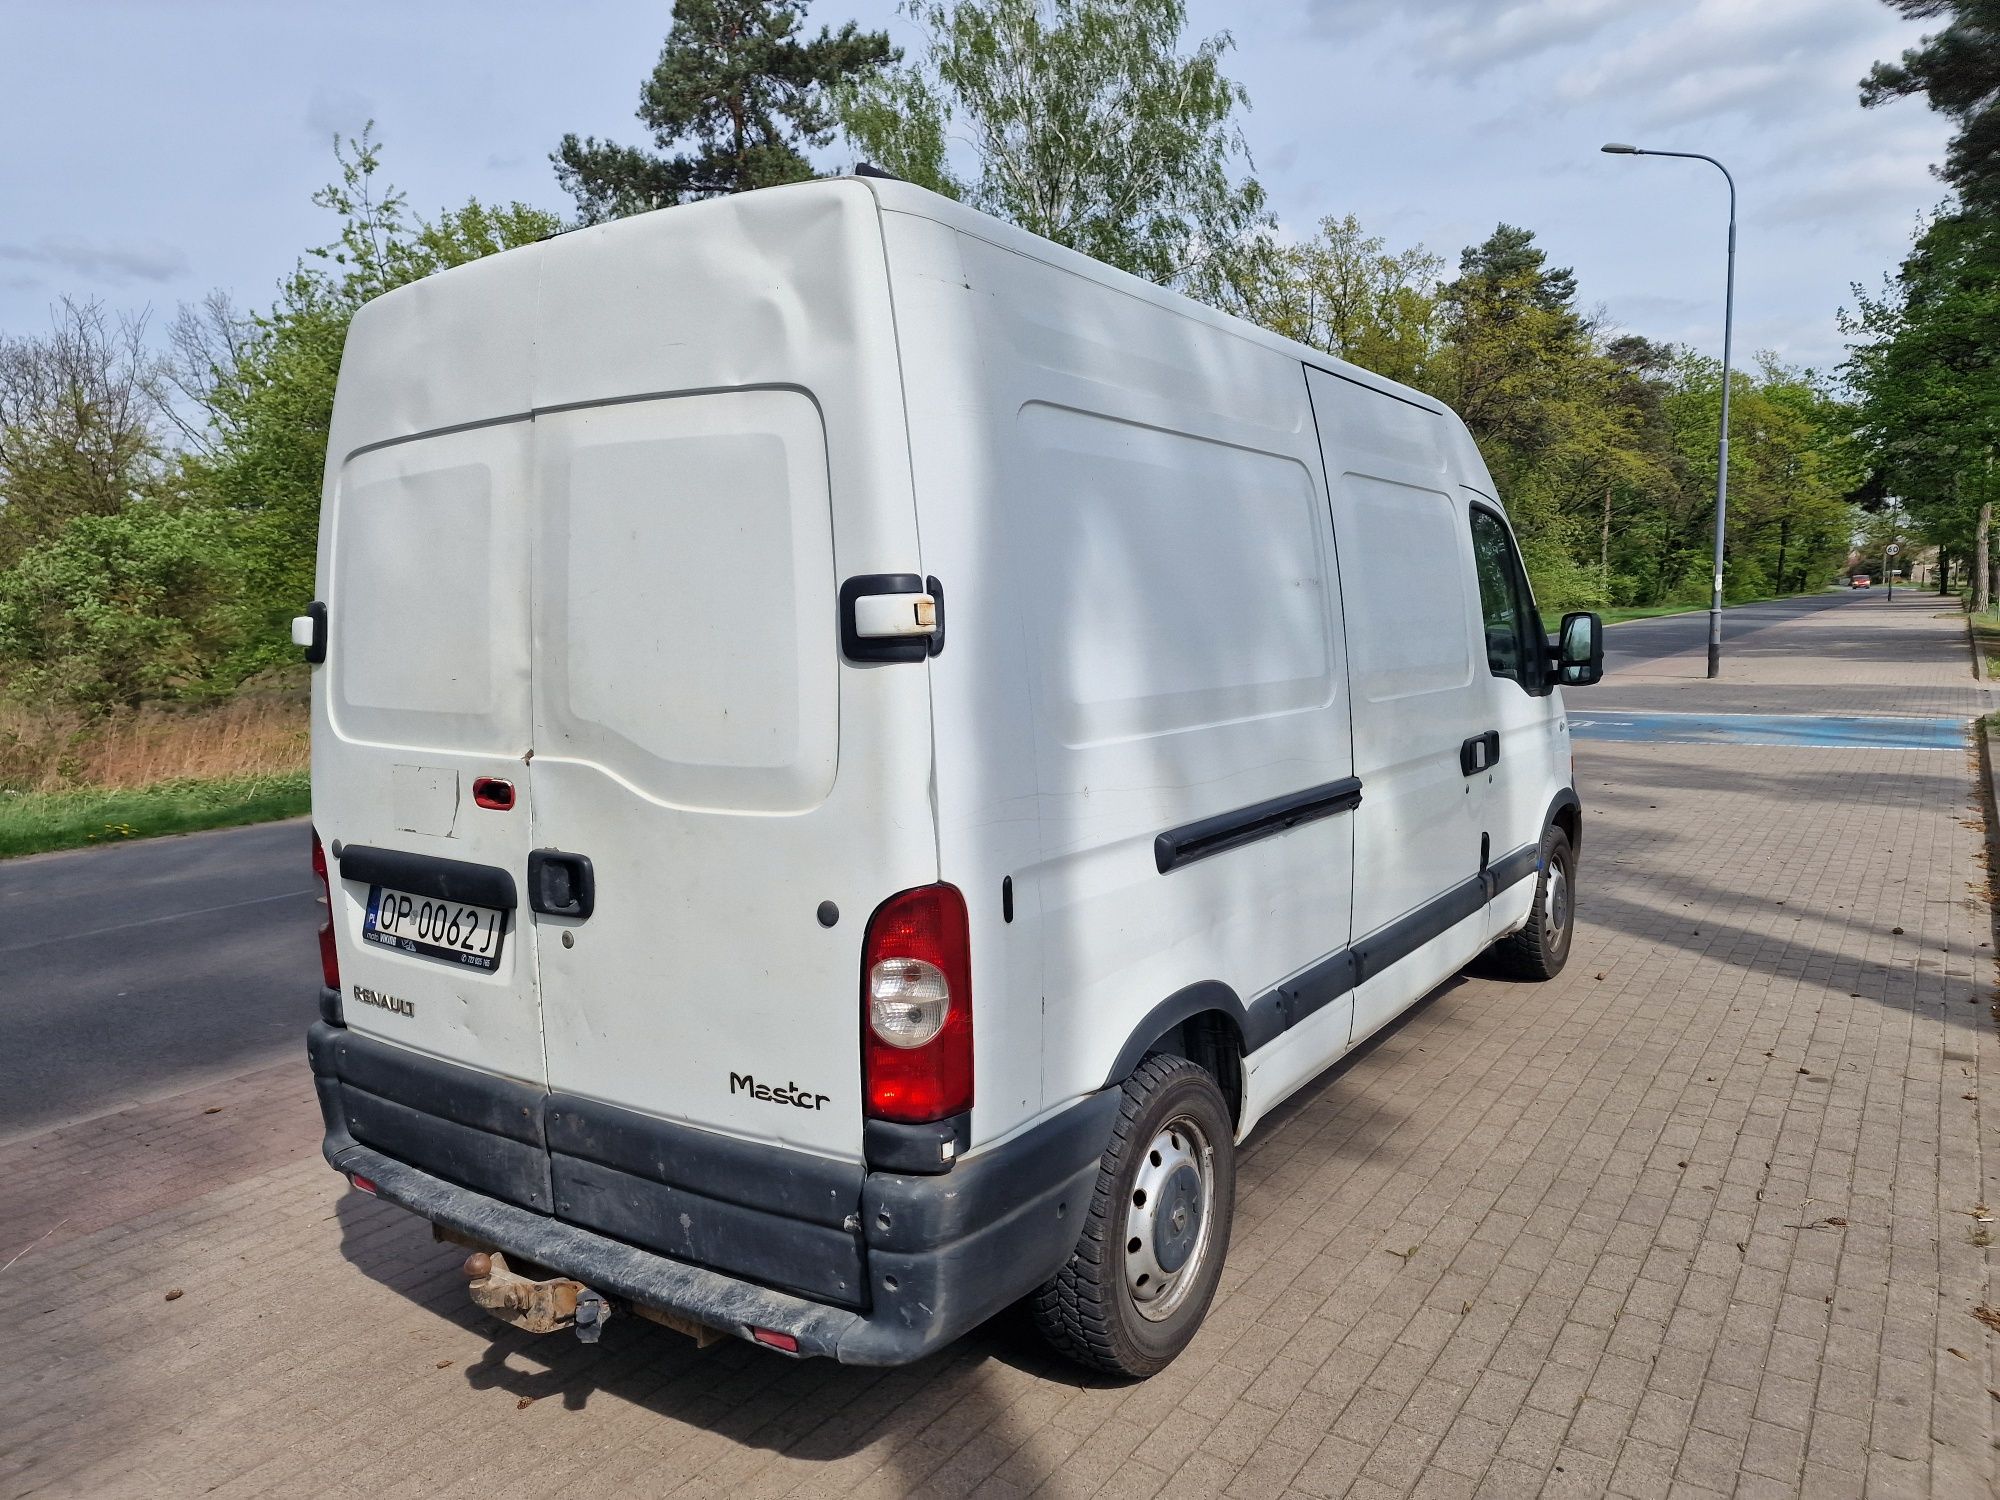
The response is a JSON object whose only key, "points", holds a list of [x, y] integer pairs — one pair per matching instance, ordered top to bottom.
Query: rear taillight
{"points": [[329, 961], [916, 1007]]}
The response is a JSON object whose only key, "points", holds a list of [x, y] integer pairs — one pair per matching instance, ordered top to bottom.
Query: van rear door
{"points": [[426, 694], [699, 742]]}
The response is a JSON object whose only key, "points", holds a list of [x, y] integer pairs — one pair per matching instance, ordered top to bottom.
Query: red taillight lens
{"points": [[329, 961], [916, 1007], [365, 1184], [772, 1339]]}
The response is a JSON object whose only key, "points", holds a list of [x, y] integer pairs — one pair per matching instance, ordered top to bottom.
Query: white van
{"points": [[859, 752]]}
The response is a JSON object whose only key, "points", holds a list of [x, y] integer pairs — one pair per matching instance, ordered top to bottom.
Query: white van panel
{"points": [[677, 483], [1127, 501], [1133, 518], [424, 564], [1406, 571], [1407, 606], [689, 635], [429, 646]]}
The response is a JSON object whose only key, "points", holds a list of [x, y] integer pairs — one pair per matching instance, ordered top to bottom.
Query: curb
{"points": [[1979, 673], [1984, 732]]}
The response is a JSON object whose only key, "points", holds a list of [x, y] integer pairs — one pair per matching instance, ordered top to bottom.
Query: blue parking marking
{"points": [[1825, 731]]}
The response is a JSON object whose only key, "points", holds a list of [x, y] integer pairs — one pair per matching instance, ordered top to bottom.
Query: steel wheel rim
{"points": [[1555, 904], [1169, 1219]]}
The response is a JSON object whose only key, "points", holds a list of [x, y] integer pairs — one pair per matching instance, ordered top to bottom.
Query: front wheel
{"points": [[1540, 949], [1145, 1269]]}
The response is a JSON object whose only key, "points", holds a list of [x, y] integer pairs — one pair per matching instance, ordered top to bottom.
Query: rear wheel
{"points": [[1540, 949], [1146, 1266]]}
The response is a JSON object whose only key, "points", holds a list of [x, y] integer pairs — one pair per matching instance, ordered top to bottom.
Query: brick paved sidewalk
{"points": [[1697, 1218]]}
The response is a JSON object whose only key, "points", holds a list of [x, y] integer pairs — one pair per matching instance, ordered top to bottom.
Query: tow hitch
{"points": [[558, 1303], [535, 1306]]}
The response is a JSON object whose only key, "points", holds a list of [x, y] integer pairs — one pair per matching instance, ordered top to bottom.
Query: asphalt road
{"points": [[1632, 642], [131, 972]]}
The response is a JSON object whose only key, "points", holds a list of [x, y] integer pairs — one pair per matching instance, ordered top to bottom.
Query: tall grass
{"points": [[256, 734], [68, 781]]}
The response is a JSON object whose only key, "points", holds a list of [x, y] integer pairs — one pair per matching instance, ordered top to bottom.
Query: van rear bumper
{"points": [[938, 1254]]}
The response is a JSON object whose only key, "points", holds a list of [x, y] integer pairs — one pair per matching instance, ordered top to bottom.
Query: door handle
{"points": [[891, 617], [1479, 753], [561, 885]]}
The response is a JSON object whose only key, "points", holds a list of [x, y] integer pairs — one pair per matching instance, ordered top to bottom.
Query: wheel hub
{"points": [[1556, 916], [1167, 1218]]}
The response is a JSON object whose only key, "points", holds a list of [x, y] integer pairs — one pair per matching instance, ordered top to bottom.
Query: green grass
{"points": [[1986, 631], [33, 822]]}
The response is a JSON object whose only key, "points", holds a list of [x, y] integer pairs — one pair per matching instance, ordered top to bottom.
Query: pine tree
{"points": [[1958, 71], [735, 98]]}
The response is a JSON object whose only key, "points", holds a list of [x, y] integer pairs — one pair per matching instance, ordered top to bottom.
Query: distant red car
{"points": [[1861, 581]]}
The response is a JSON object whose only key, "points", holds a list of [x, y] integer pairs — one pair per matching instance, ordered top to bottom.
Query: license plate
{"points": [[450, 930]]}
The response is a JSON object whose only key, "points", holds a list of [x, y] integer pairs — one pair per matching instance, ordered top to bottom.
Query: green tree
{"points": [[1958, 70], [736, 96], [1087, 125], [1345, 292], [1925, 365], [265, 384], [81, 424], [118, 608]]}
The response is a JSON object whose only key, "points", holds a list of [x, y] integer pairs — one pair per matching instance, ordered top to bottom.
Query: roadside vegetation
{"points": [[1926, 361], [160, 481], [69, 779]]}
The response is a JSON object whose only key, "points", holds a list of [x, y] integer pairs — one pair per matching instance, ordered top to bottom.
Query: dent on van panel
{"points": [[688, 549], [1182, 582]]}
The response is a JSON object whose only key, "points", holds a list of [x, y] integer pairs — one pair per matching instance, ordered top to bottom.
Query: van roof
{"points": [[896, 196]]}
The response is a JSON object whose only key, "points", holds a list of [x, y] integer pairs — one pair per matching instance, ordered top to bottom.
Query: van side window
{"points": [[1512, 630]]}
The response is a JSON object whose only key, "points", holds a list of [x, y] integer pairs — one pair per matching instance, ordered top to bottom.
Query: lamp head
{"points": [[1619, 148]]}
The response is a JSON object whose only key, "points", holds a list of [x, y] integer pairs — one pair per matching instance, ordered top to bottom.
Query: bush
{"points": [[119, 608]]}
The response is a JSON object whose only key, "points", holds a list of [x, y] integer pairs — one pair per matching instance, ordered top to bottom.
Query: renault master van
{"points": [[857, 753]]}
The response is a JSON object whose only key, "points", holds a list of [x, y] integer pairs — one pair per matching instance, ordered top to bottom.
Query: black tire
{"points": [[1540, 949], [1090, 1311]]}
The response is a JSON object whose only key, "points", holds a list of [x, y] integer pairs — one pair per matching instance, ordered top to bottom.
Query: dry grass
{"points": [[252, 734]]}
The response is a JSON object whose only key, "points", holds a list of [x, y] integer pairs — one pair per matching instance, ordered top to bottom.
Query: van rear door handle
{"points": [[891, 617], [1478, 753], [561, 885]]}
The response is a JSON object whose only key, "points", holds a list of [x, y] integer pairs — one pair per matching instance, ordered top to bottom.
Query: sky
{"points": [[159, 149]]}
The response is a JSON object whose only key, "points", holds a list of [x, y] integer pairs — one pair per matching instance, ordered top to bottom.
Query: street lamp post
{"points": [[1618, 148]]}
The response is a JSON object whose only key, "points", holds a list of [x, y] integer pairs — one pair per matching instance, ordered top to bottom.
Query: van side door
{"points": [[1411, 613], [1525, 757]]}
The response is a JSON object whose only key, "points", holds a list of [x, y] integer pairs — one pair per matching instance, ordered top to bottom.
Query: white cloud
{"points": [[1466, 38], [96, 261]]}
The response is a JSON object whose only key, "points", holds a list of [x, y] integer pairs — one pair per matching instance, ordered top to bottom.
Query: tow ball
{"points": [[558, 1303], [535, 1306]]}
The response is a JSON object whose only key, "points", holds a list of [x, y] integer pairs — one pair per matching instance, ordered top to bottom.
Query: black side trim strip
{"points": [[1260, 820], [1506, 870], [427, 875], [1402, 937], [1279, 1009]]}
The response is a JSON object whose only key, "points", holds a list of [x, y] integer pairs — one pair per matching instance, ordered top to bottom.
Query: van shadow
{"points": [[930, 1415]]}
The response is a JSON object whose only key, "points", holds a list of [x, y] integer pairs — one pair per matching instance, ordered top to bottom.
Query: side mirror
{"points": [[1579, 650]]}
